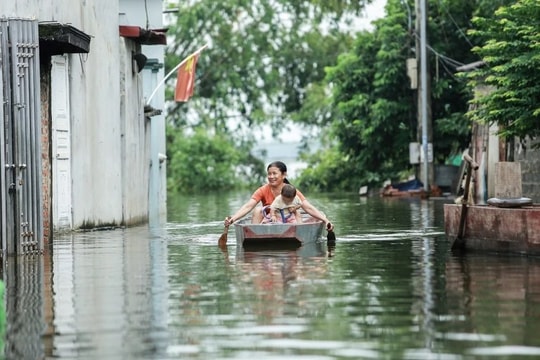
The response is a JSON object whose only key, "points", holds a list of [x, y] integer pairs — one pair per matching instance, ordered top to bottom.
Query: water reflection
{"points": [[278, 280], [392, 289], [97, 295], [493, 298], [26, 307]]}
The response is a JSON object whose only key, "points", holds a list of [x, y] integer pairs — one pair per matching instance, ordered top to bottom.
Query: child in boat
{"points": [[277, 177], [284, 208]]}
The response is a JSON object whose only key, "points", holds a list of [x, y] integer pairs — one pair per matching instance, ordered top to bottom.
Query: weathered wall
{"points": [[130, 14], [95, 118], [109, 136], [135, 143], [530, 170], [46, 187]]}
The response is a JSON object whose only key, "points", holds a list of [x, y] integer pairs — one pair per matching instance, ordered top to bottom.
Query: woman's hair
{"points": [[282, 168]]}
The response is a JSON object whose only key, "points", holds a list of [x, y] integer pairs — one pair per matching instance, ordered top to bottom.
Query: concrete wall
{"points": [[130, 14], [95, 119], [110, 137], [135, 139], [486, 142], [529, 161], [530, 170]]}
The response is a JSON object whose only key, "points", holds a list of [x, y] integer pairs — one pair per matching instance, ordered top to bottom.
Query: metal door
{"points": [[20, 138]]}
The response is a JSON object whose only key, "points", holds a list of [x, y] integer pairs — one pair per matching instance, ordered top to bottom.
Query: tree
{"points": [[511, 50], [261, 59], [373, 108], [200, 154]]}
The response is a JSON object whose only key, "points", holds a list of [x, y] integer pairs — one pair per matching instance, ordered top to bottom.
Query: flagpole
{"points": [[172, 72]]}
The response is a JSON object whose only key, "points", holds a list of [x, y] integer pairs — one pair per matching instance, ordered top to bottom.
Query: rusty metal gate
{"points": [[20, 136]]}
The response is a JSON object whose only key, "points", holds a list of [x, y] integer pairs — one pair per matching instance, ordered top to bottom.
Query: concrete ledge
{"points": [[488, 228]]}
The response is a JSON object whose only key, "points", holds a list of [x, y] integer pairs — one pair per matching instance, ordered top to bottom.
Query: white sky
{"points": [[375, 10]]}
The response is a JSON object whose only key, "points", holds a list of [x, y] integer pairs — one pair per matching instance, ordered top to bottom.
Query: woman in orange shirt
{"points": [[277, 176]]}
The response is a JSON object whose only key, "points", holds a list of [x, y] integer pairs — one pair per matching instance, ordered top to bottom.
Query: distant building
{"points": [[487, 149]]}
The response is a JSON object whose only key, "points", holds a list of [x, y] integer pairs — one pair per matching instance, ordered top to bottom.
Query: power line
{"points": [[455, 23]]}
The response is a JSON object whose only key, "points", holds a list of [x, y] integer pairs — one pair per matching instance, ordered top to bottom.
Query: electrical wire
{"points": [[455, 23], [444, 60]]}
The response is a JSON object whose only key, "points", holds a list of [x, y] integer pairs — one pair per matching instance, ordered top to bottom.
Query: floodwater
{"points": [[392, 289]]}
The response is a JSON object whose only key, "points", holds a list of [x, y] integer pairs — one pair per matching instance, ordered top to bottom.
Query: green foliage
{"points": [[511, 51], [263, 58], [272, 61], [373, 109], [202, 162], [331, 173]]}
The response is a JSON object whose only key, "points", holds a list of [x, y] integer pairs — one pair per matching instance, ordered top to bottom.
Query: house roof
{"points": [[144, 36], [56, 38]]}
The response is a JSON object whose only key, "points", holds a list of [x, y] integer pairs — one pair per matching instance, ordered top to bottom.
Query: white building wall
{"points": [[132, 13], [96, 123], [110, 138], [135, 138]]}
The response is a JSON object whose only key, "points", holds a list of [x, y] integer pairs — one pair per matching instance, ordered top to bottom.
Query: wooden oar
{"points": [[331, 236], [330, 240], [222, 242], [459, 242]]}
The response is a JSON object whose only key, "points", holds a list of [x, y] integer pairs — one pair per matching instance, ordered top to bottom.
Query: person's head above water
{"points": [[279, 167], [288, 192]]}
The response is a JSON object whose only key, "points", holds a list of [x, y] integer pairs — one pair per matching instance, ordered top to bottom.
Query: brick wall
{"points": [[45, 155], [530, 169]]}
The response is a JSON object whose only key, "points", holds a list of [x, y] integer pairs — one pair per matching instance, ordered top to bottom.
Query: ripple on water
{"points": [[505, 351]]}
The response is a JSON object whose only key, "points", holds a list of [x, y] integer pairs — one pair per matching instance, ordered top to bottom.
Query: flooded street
{"points": [[391, 290]]}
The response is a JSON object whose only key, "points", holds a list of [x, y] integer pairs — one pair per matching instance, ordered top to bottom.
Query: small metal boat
{"points": [[287, 236]]}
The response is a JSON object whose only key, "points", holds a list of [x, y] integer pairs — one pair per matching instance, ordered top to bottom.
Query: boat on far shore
{"points": [[414, 188]]}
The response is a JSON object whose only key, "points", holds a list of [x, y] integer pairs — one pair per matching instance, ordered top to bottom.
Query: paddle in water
{"points": [[331, 236], [330, 240], [222, 242]]}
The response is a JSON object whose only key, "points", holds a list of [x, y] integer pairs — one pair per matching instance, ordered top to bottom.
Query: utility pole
{"points": [[425, 132]]}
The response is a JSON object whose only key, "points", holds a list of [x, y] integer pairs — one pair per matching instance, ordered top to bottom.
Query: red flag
{"points": [[186, 78]]}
